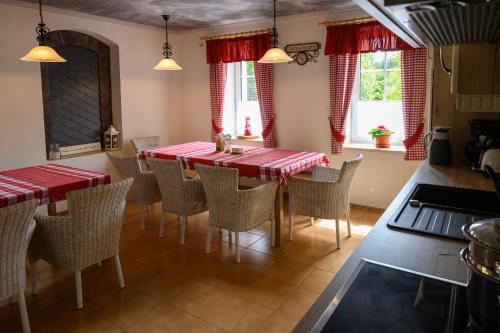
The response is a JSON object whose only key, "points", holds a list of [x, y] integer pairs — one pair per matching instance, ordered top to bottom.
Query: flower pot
{"points": [[383, 141]]}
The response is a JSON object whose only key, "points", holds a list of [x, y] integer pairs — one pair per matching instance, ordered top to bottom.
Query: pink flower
{"points": [[382, 128]]}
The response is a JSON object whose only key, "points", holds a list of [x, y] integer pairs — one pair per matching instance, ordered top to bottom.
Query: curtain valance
{"points": [[361, 38], [250, 48]]}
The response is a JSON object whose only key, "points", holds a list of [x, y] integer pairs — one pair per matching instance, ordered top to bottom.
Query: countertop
{"points": [[426, 254]]}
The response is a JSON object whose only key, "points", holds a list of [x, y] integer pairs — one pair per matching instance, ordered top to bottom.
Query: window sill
{"points": [[250, 142], [371, 147]]}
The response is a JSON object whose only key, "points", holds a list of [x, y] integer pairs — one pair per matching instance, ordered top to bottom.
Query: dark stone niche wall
{"points": [[77, 93]]}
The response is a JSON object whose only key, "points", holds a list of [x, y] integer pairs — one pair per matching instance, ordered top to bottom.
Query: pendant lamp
{"points": [[42, 52], [274, 55], [167, 64]]}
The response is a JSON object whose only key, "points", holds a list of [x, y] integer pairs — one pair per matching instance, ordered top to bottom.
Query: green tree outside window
{"points": [[380, 76]]}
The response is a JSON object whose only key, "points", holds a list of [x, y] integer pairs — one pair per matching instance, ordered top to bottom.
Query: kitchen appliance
{"points": [[438, 22], [484, 135], [438, 144], [491, 158], [495, 177], [442, 211], [482, 256], [384, 298]]}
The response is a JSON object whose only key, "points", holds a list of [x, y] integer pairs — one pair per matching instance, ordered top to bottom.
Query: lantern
{"points": [[111, 139]]}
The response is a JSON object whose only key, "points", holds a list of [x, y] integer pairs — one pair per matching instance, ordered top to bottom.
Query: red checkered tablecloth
{"points": [[258, 163], [49, 183]]}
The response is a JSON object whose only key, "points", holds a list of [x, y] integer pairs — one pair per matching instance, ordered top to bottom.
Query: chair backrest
{"points": [[144, 143], [127, 166], [348, 170], [170, 177], [219, 183], [97, 215], [16, 228]]}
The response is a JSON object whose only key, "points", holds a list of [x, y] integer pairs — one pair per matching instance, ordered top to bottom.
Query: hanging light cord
{"points": [[41, 29], [274, 33], [167, 47]]}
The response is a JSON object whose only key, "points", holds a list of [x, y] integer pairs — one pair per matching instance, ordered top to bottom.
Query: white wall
{"points": [[149, 100], [301, 105]]}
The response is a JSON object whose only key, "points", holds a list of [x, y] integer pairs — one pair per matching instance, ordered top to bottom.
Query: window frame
{"points": [[236, 100], [353, 113]]}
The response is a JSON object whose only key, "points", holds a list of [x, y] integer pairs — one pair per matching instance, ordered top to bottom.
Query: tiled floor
{"points": [[174, 288]]}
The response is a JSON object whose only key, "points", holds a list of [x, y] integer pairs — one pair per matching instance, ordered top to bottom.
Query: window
{"points": [[376, 98], [241, 99]]}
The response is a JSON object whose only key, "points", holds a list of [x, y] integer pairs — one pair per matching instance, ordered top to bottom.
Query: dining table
{"points": [[264, 164], [49, 183]]}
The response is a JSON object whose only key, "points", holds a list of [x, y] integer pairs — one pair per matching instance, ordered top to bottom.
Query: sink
{"points": [[442, 210]]}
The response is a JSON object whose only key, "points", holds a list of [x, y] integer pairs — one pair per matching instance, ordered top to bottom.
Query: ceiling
{"points": [[193, 14]]}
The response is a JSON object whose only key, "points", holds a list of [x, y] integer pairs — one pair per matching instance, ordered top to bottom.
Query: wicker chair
{"points": [[145, 143], [145, 190], [181, 196], [325, 196], [233, 209], [16, 229], [89, 233]]}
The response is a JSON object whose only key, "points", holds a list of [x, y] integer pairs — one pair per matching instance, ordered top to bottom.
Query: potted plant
{"points": [[382, 136]]}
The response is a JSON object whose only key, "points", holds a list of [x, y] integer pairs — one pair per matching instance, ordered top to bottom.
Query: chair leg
{"points": [[141, 218], [348, 219], [311, 221], [162, 224], [290, 225], [183, 228], [337, 230], [230, 237], [209, 239], [237, 244], [119, 272], [34, 289], [79, 297], [24, 313]]}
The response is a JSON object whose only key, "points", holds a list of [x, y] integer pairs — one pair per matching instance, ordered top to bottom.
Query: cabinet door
{"points": [[476, 72]]}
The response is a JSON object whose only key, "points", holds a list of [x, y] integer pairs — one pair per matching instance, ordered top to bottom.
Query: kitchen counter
{"points": [[417, 252]]}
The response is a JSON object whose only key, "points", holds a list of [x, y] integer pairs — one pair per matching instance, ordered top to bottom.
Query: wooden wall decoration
{"points": [[304, 52], [76, 94]]}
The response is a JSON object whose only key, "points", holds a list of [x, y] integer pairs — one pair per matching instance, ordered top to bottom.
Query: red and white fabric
{"points": [[360, 38], [250, 48], [342, 72], [218, 78], [264, 78], [413, 85], [256, 162], [49, 183], [14, 191]]}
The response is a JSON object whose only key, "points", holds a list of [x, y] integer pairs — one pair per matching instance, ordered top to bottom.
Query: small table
{"points": [[267, 164], [49, 183]]}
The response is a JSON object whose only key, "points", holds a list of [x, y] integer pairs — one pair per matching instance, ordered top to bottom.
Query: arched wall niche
{"points": [[78, 95]]}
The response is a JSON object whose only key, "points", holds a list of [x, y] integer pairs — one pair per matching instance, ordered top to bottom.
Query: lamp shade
{"points": [[43, 53], [275, 56], [167, 64]]}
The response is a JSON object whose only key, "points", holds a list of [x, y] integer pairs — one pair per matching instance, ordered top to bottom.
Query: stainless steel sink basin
{"points": [[442, 210]]}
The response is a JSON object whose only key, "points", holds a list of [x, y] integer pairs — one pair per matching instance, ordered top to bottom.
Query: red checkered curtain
{"points": [[343, 44], [342, 73], [218, 77], [264, 78], [413, 82]]}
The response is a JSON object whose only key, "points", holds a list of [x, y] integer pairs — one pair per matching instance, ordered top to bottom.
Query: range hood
{"points": [[438, 22]]}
